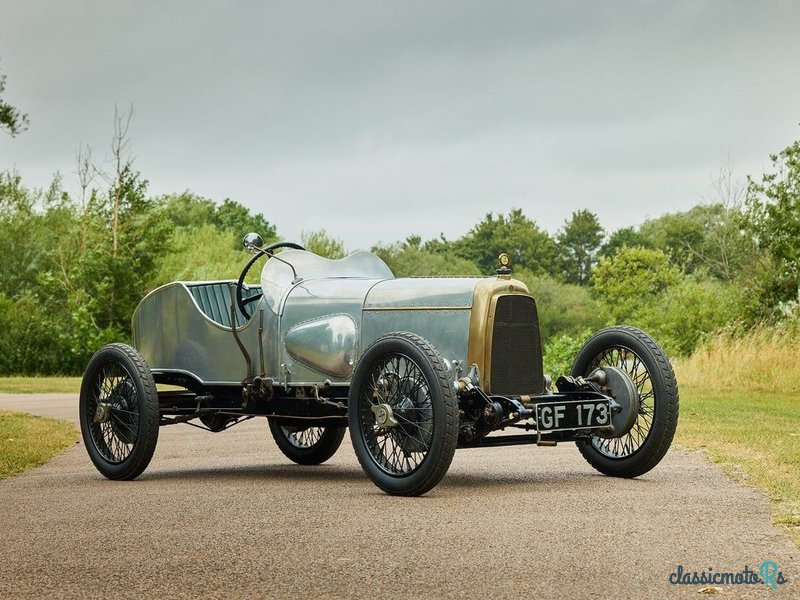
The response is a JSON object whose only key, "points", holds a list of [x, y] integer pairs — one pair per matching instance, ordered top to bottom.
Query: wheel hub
{"points": [[620, 386], [103, 412], [384, 417]]}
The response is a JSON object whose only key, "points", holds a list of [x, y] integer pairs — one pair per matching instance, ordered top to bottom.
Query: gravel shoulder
{"points": [[222, 514]]}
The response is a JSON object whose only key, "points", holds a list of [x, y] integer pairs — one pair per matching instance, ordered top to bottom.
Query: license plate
{"points": [[575, 414]]}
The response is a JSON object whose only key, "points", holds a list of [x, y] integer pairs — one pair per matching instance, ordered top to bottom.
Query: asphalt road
{"points": [[227, 515]]}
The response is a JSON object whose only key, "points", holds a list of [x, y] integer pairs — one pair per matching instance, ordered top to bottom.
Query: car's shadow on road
{"points": [[253, 472], [345, 473], [465, 480]]}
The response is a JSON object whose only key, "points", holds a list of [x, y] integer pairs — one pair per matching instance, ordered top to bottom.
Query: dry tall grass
{"points": [[764, 359]]}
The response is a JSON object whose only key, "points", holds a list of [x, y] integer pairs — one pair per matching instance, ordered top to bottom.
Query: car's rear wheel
{"points": [[119, 412], [403, 414], [306, 445], [643, 446]]}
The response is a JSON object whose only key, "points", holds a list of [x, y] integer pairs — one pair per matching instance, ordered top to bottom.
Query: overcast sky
{"points": [[377, 120]]}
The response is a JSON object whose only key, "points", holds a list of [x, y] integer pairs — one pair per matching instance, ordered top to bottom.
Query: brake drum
{"points": [[619, 385]]}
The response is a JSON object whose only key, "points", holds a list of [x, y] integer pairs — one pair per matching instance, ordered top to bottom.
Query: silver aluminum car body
{"points": [[319, 316]]}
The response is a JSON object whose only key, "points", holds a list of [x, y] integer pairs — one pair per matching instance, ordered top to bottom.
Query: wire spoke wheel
{"points": [[630, 362], [396, 381], [113, 405], [119, 412], [403, 414], [304, 438], [306, 445], [642, 447]]}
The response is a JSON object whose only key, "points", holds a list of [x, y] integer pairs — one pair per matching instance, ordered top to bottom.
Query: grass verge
{"points": [[40, 385], [52, 385], [740, 402], [754, 437], [27, 441]]}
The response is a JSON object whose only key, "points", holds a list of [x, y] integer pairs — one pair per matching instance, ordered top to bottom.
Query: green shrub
{"points": [[320, 242], [202, 253], [410, 260], [633, 279], [564, 308], [687, 312], [7, 342], [560, 353]]}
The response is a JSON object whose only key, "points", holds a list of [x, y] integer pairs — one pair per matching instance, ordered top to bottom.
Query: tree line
{"points": [[731, 262], [73, 266]]}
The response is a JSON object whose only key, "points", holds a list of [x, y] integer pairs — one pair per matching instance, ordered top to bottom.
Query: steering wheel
{"points": [[268, 250]]}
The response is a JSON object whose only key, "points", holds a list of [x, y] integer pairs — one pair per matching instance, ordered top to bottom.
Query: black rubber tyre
{"points": [[119, 380], [416, 386], [310, 446], [643, 447]]}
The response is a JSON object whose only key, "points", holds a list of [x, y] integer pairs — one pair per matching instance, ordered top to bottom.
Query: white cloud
{"points": [[377, 120]]}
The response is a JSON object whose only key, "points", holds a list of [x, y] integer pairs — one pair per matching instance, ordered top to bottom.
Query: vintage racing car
{"points": [[414, 367]]}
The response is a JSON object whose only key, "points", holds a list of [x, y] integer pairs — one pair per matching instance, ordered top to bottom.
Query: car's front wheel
{"points": [[403, 414], [648, 438], [306, 445]]}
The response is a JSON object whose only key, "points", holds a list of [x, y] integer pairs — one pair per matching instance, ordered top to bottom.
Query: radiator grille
{"points": [[516, 348]]}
